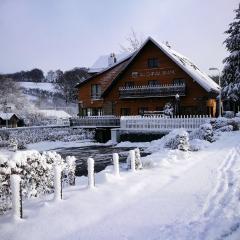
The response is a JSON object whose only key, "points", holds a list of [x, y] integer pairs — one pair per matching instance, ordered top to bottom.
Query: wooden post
{"points": [[132, 160], [116, 164], [91, 182], [57, 183], [16, 188]]}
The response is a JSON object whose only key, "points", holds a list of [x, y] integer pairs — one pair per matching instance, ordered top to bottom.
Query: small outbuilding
{"points": [[9, 120]]}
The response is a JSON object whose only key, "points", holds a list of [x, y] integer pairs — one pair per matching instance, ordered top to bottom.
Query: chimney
{"points": [[112, 59]]}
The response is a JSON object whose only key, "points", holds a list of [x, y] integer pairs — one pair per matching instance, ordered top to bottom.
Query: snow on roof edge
{"points": [[206, 82]]}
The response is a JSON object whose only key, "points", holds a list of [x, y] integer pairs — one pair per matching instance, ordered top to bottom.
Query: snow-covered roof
{"points": [[102, 62], [183, 62], [189, 67], [55, 113], [6, 116]]}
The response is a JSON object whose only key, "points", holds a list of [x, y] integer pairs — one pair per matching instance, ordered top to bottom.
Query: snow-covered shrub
{"points": [[168, 109], [229, 114], [238, 114], [222, 122], [227, 128], [204, 132], [34, 135], [178, 139], [3, 143], [13, 144], [197, 144], [138, 162], [69, 170], [36, 172]]}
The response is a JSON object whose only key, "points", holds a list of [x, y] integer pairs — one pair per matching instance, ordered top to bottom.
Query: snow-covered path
{"points": [[186, 196]]}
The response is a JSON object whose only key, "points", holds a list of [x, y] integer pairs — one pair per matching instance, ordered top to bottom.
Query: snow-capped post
{"points": [[132, 160], [138, 161], [115, 164], [91, 181], [57, 183], [16, 189]]}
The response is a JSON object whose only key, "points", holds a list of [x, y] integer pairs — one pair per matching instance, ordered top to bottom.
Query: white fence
{"points": [[159, 123]]}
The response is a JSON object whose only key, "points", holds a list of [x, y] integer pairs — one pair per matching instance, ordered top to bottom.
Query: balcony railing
{"points": [[145, 91]]}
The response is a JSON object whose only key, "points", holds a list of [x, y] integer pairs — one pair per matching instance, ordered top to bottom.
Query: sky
{"points": [[63, 34]]}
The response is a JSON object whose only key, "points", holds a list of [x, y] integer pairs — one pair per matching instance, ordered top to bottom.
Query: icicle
{"points": [[116, 164], [91, 183]]}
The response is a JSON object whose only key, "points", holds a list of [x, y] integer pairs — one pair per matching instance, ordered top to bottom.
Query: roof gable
{"points": [[183, 62], [111, 71], [7, 116]]}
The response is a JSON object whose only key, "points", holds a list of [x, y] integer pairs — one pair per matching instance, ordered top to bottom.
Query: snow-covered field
{"points": [[44, 86], [183, 195]]}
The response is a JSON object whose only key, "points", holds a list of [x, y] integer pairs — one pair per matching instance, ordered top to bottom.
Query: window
{"points": [[153, 63], [178, 81], [153, 82], [129, 84], [96, 91], [125, 111]]}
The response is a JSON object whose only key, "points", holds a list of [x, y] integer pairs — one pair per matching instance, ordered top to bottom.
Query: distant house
{"points": [[146, 81], [58, 117], [9, 120]]}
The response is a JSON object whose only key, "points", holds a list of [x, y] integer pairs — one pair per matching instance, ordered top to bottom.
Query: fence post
{"points": [[132, 160], [116, 164], [91, 181], [57, 183], [16, 188]]}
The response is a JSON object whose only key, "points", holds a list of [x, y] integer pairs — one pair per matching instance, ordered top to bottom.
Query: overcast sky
{"points": [[63, 34]]}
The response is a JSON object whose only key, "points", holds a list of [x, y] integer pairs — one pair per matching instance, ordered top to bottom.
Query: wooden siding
{"points": [[196, 97]]}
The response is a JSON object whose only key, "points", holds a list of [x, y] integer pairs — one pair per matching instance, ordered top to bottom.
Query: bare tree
{"points": [[134, 42]]}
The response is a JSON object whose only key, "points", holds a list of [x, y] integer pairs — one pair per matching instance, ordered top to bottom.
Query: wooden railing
{"points": [[164, 90], [106, 120], [160, 123]]}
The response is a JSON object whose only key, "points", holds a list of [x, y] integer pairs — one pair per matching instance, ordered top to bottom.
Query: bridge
{"points": [[113, 127]]}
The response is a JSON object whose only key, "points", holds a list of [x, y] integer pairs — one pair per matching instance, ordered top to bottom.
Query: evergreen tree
{"points": [[231, 71]]}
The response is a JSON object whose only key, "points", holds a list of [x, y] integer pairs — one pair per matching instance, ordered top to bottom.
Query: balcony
{"points": [[155, 91]]}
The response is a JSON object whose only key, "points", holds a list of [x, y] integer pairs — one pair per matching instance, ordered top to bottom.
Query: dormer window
{"points": [[153, 63]]}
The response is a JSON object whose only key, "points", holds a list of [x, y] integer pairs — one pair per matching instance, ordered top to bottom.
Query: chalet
{"points": [[145, 81], [9, 120]]}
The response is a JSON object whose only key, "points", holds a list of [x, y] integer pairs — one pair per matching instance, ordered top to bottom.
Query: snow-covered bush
{"points": [[168, 109], [229, 114], [238, 114], [222, 122], [227, 128], [204, 132], [34, 135], [178, 139], [3, 143], [13, 144], [197, 144], [138, 162], [69, 171], [36, 172]]}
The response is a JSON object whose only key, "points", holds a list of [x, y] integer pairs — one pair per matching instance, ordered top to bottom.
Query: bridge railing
{"points": [[106, 120], [162, 123]]}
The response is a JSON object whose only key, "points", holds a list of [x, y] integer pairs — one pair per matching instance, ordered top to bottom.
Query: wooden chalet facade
{"points": [[145, 81]]}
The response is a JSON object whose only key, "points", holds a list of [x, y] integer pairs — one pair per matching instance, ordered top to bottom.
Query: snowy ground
{"points": [[186, 195]]}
